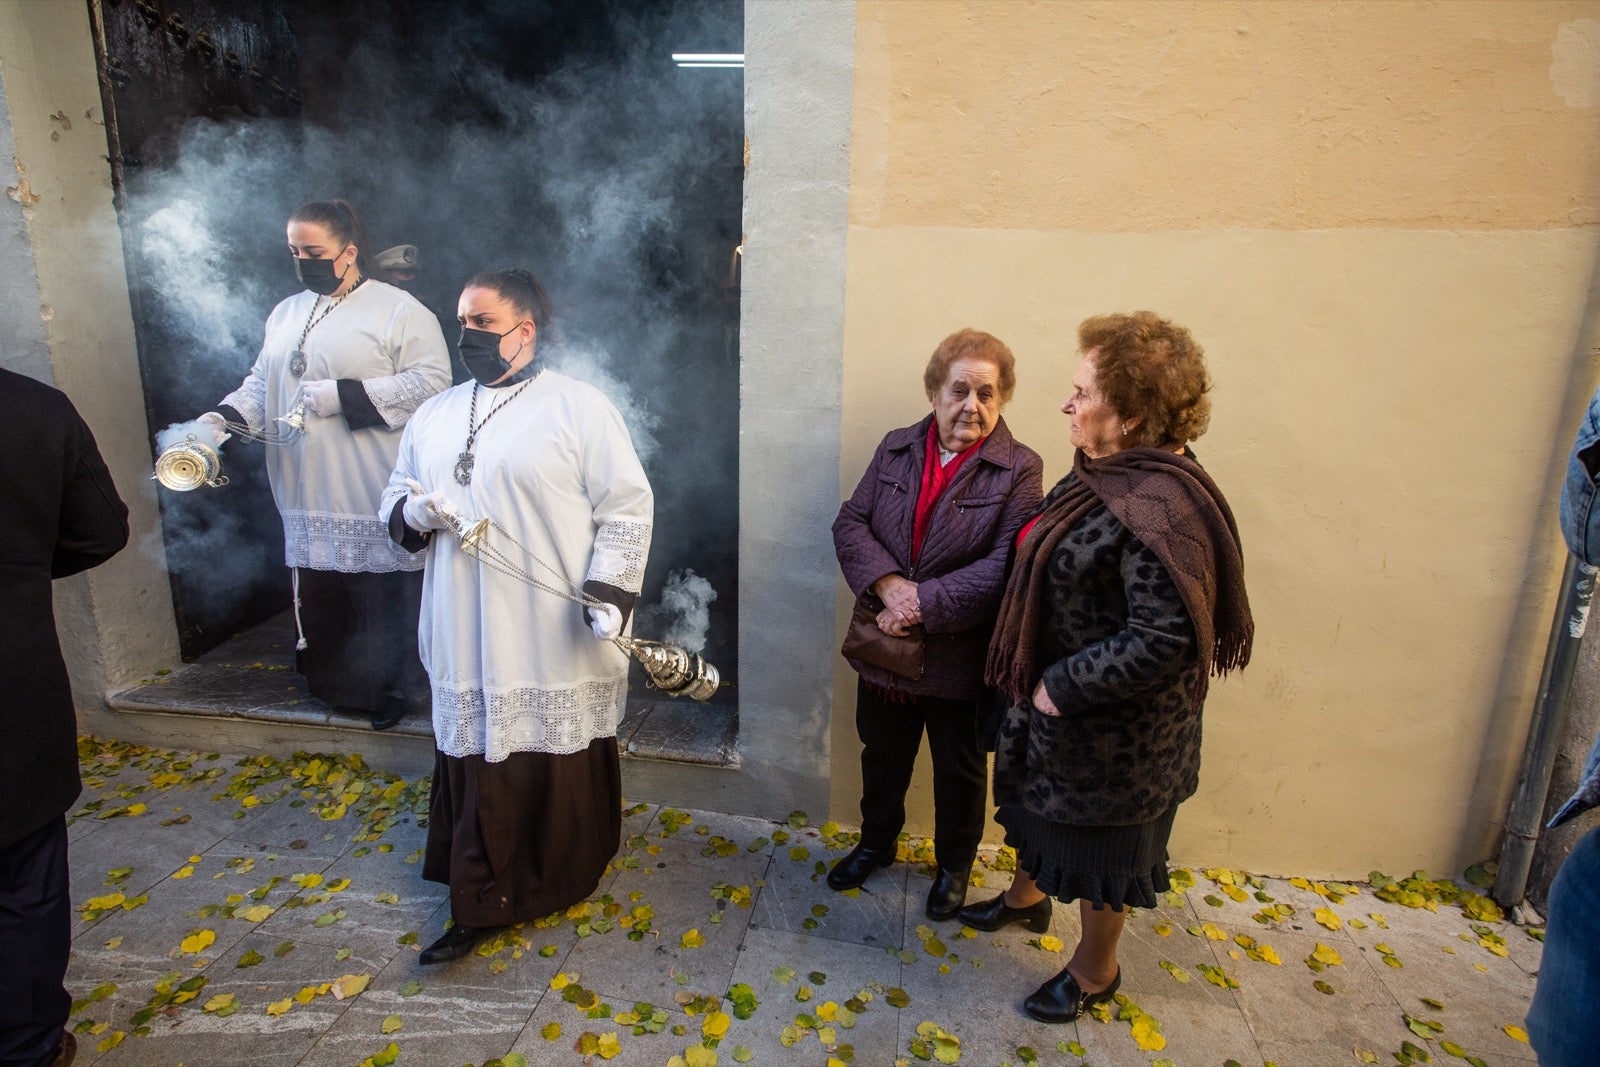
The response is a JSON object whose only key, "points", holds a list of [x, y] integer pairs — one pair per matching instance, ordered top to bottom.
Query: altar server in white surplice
{"points": [[360, 355], [527, 687]]}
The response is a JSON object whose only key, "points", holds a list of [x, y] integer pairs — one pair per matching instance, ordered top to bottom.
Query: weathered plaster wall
{"points": [[798, 57], [1380, 220], [61, 238], [116, 622]]}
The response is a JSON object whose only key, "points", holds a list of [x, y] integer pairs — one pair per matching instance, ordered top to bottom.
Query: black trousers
{"points": [[361, 637], [891, 734], [35, 939]]}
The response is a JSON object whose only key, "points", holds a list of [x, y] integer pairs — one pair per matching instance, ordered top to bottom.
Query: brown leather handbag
{"points": [[866, 643]]}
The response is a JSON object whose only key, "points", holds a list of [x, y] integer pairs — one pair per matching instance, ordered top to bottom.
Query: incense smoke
{"points": [[610, 174], [179, 432], [683, 614]]}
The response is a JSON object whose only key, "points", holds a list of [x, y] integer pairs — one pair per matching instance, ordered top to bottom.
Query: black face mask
{"points": [[317, 275], [480, 352]]}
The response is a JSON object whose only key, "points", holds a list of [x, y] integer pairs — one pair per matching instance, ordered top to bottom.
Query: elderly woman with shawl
{"points": [[1126, 596]]}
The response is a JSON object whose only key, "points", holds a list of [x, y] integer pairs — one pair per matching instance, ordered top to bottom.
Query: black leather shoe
{"points": [[390, 711], [860, 862], [949, 892], [994, 913], [456, 942], [1060, 1000], [66, 1053]]}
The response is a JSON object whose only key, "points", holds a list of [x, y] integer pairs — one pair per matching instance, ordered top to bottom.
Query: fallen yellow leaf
{"points": [[198, 941], [351, 985]]}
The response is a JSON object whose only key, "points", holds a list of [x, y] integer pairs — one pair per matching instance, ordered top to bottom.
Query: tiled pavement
{"points": [[244, 903]]}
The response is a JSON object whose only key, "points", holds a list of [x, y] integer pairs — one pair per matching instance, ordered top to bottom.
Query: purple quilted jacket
{"points": [[961, 572]]}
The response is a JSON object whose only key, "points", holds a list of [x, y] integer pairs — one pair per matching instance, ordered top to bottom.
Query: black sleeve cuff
{"points": [[359, 411], [231, 414], [403, 535], [618, 598]]}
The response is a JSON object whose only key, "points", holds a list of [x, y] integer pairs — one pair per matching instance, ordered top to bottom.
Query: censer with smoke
{"points": [[190, 463], [673, 670]]}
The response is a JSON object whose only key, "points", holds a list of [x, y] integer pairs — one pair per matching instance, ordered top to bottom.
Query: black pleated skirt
{"points": [[519, 839], [1119, 866]]}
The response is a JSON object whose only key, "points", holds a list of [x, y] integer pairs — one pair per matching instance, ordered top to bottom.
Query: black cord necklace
{"points": [[297, 358], [465, 461]]}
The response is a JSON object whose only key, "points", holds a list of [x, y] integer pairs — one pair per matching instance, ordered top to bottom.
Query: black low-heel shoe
{"points": [[390, 712], [861, 861], [948, 893], [994, 913], [456, 942], [1060, 1000]]}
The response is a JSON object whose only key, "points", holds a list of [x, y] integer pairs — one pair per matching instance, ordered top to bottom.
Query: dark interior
{"points": [[557, 135]]}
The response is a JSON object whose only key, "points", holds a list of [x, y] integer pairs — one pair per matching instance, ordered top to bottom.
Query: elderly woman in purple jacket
{"points": [[925, 540]]}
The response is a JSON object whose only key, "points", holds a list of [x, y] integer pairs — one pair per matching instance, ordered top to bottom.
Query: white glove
{"points": [[321, 398], [218, 426], [427, 511], [605, 620]]}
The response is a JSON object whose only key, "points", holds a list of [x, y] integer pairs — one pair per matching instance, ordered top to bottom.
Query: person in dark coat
{"points": [[61, 515], [925, 539], [1127, 593]]}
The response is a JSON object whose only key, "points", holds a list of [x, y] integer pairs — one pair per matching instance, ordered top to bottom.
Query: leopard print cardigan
{"points": [[1122, 669]]}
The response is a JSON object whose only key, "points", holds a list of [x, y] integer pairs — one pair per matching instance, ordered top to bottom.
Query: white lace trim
{"points": [[398, 396], [250, 400], [352, 544], [620, 548], [561, 720]]}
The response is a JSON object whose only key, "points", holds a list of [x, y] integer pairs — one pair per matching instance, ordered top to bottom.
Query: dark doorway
{"points": [[559, 136]]}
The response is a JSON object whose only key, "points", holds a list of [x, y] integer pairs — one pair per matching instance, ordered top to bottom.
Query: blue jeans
{"points": [[1563, 1023]]}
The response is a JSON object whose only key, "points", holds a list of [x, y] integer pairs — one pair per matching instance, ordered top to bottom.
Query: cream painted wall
{"points": [[1338, 205]]}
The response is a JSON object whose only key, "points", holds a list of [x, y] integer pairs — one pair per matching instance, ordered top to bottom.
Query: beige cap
{"points": [[400, 257]]}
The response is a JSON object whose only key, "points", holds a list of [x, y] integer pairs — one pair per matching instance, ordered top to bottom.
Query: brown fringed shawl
{"points": [[1170, 504]]}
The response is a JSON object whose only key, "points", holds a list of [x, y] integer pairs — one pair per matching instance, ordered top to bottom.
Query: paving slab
{"points": [[798, 899], [363, 902], [695, 935], [794, 975], [844, 975], [465, 1012], [571, 1025]]}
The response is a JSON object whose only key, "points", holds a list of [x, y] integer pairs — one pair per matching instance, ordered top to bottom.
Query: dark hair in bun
{"points": [[343, 224], [523, 292]]}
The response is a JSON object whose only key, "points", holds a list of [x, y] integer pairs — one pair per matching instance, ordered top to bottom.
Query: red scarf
{"points": [[936, 478]]}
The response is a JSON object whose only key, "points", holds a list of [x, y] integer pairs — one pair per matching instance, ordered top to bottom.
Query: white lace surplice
{"points": [[327, 483], [514, 668]]}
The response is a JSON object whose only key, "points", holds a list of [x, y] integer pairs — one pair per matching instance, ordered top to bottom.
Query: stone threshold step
{"points": [[268, 690]]}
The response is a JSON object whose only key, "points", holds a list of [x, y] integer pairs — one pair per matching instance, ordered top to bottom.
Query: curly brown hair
{"points": [[971, 344], [1150, 369]]}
